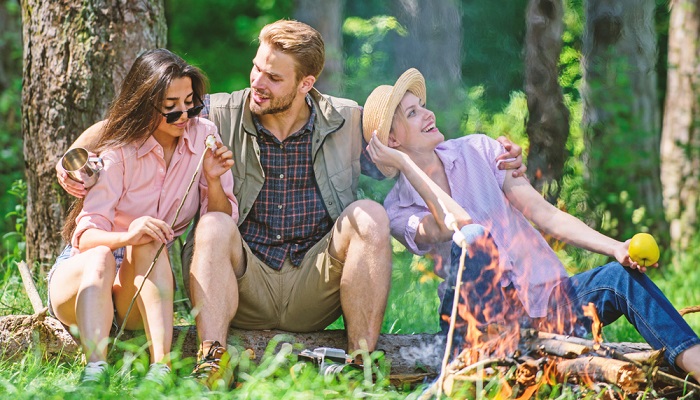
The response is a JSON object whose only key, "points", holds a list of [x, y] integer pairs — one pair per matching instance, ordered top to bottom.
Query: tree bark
{"points": [[327, 18], [433, 45], [76, 54], [621, 114], [548, 121], [680, 139]]}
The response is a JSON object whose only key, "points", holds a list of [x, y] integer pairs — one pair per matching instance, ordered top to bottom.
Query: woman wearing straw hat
{"points": [[152, 144], [525, 276]]}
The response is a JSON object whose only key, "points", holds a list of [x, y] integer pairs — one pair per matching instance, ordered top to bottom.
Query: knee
{"points": [[369, 219], [215, 228], [100, 265]]}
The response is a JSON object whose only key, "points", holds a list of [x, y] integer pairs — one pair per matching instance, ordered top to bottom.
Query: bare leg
{"points": [[361, 239], [217, 262], [81, 294], [155, 302], [689, 361]]}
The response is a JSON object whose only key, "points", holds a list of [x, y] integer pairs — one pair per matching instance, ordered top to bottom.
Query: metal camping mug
{"points": [[77, 162]]}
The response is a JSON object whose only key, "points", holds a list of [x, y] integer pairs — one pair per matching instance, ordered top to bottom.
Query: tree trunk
{"points": [[327, 18], [434, 46], [76, 54], [621, 115], [548, 120], [680, 141]]}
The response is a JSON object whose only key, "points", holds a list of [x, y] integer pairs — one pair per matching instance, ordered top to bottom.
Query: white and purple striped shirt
{"points": [[476, 184]]}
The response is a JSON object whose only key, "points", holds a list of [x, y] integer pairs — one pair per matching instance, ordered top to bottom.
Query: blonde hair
{"points": [[299, 40]]}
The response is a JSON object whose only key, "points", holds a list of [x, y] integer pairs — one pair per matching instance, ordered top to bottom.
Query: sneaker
{"points": [[214, 366], [95, 374], [158, 374]]}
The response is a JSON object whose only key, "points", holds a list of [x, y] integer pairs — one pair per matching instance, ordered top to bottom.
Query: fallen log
{"points": [[39, 333], [417, 354]]}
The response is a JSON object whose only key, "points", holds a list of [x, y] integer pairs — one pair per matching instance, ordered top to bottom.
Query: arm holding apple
{"points": [[635, 254]]}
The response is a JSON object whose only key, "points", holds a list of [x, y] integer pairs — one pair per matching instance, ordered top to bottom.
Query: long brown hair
{"points": [[133, 115]]}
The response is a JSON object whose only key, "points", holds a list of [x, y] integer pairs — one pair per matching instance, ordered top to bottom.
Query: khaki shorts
{"points": [[296, 299]]}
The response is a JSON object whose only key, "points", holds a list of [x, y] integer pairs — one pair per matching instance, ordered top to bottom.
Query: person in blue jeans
{"points": [[511, 273]]}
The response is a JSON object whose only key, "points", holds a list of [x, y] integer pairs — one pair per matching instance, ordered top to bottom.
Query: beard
{"points": [[277, 104]]}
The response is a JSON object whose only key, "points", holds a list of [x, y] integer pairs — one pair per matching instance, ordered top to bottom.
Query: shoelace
{"points": [[211, 361]]}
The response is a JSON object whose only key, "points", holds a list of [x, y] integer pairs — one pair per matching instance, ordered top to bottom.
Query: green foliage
{"points": [[220, 36], [493, 39], [367, 62], [11, 158], [14, 242]]}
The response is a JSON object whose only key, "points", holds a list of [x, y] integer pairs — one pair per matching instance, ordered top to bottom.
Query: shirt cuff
{"points": [[410, 234]]}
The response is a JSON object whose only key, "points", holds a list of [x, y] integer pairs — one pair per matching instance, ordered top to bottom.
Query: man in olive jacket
{"points": [[304, 249]]}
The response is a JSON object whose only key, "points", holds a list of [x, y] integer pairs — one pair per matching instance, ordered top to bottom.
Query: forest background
{"points": [[604, 105]]}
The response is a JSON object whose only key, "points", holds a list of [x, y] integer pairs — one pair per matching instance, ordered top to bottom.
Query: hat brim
{"points": [[381, 104]]}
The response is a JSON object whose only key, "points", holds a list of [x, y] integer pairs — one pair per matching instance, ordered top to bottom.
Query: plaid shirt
{"points": [[289, 215]]}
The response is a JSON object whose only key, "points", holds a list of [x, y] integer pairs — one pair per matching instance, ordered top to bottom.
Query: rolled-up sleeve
{"points": [[100, 201], [404, 222]]}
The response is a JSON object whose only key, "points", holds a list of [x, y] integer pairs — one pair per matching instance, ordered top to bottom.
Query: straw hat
{"points": [[381, 104]]}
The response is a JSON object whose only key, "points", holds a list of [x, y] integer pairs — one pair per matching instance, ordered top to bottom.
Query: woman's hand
{"points": [[383, 154], [512, 158], [217, 161], [73, 187], [146, 229], [622, 255]]}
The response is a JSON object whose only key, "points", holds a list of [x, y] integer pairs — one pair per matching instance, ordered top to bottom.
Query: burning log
{"points": [[559, 348], [625, 375]]}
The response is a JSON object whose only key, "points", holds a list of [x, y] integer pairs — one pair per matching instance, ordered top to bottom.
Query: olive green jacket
{"points": [[336, 147]]}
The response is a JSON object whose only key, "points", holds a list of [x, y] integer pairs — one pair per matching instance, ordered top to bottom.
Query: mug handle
{"points": [[99, 164]]}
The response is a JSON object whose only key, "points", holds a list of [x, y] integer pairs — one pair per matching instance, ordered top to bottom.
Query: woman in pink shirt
{"points": [[151, 144], [511, 274]]}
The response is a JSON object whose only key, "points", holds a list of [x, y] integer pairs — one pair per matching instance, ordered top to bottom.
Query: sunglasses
{"points": [[173, 116]]}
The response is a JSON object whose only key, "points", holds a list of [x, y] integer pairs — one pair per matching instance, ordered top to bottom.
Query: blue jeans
{"points": [[613, 289]]}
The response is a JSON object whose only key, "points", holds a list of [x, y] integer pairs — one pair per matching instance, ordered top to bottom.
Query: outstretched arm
{"points": [[561, 225], [432, 228]]}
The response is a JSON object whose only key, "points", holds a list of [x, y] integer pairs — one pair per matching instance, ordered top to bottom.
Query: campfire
{"points": [[494, 354]]}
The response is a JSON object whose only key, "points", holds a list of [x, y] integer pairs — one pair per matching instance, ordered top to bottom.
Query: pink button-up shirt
{"points": [[135, 182], [476, 184]]}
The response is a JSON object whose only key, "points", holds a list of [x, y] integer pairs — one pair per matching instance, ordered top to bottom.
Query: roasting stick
{"points": [[210, 144], [457, 237]]}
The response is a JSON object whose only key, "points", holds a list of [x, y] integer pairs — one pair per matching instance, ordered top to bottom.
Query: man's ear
{"points": [[306, 84], [392, 142]]}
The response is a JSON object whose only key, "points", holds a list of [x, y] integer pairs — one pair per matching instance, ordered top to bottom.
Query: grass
{"points": [[412, 308]]}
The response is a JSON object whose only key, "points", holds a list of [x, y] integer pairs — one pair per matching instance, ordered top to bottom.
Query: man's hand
{"points": [[512, 158], [71, 186]]}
